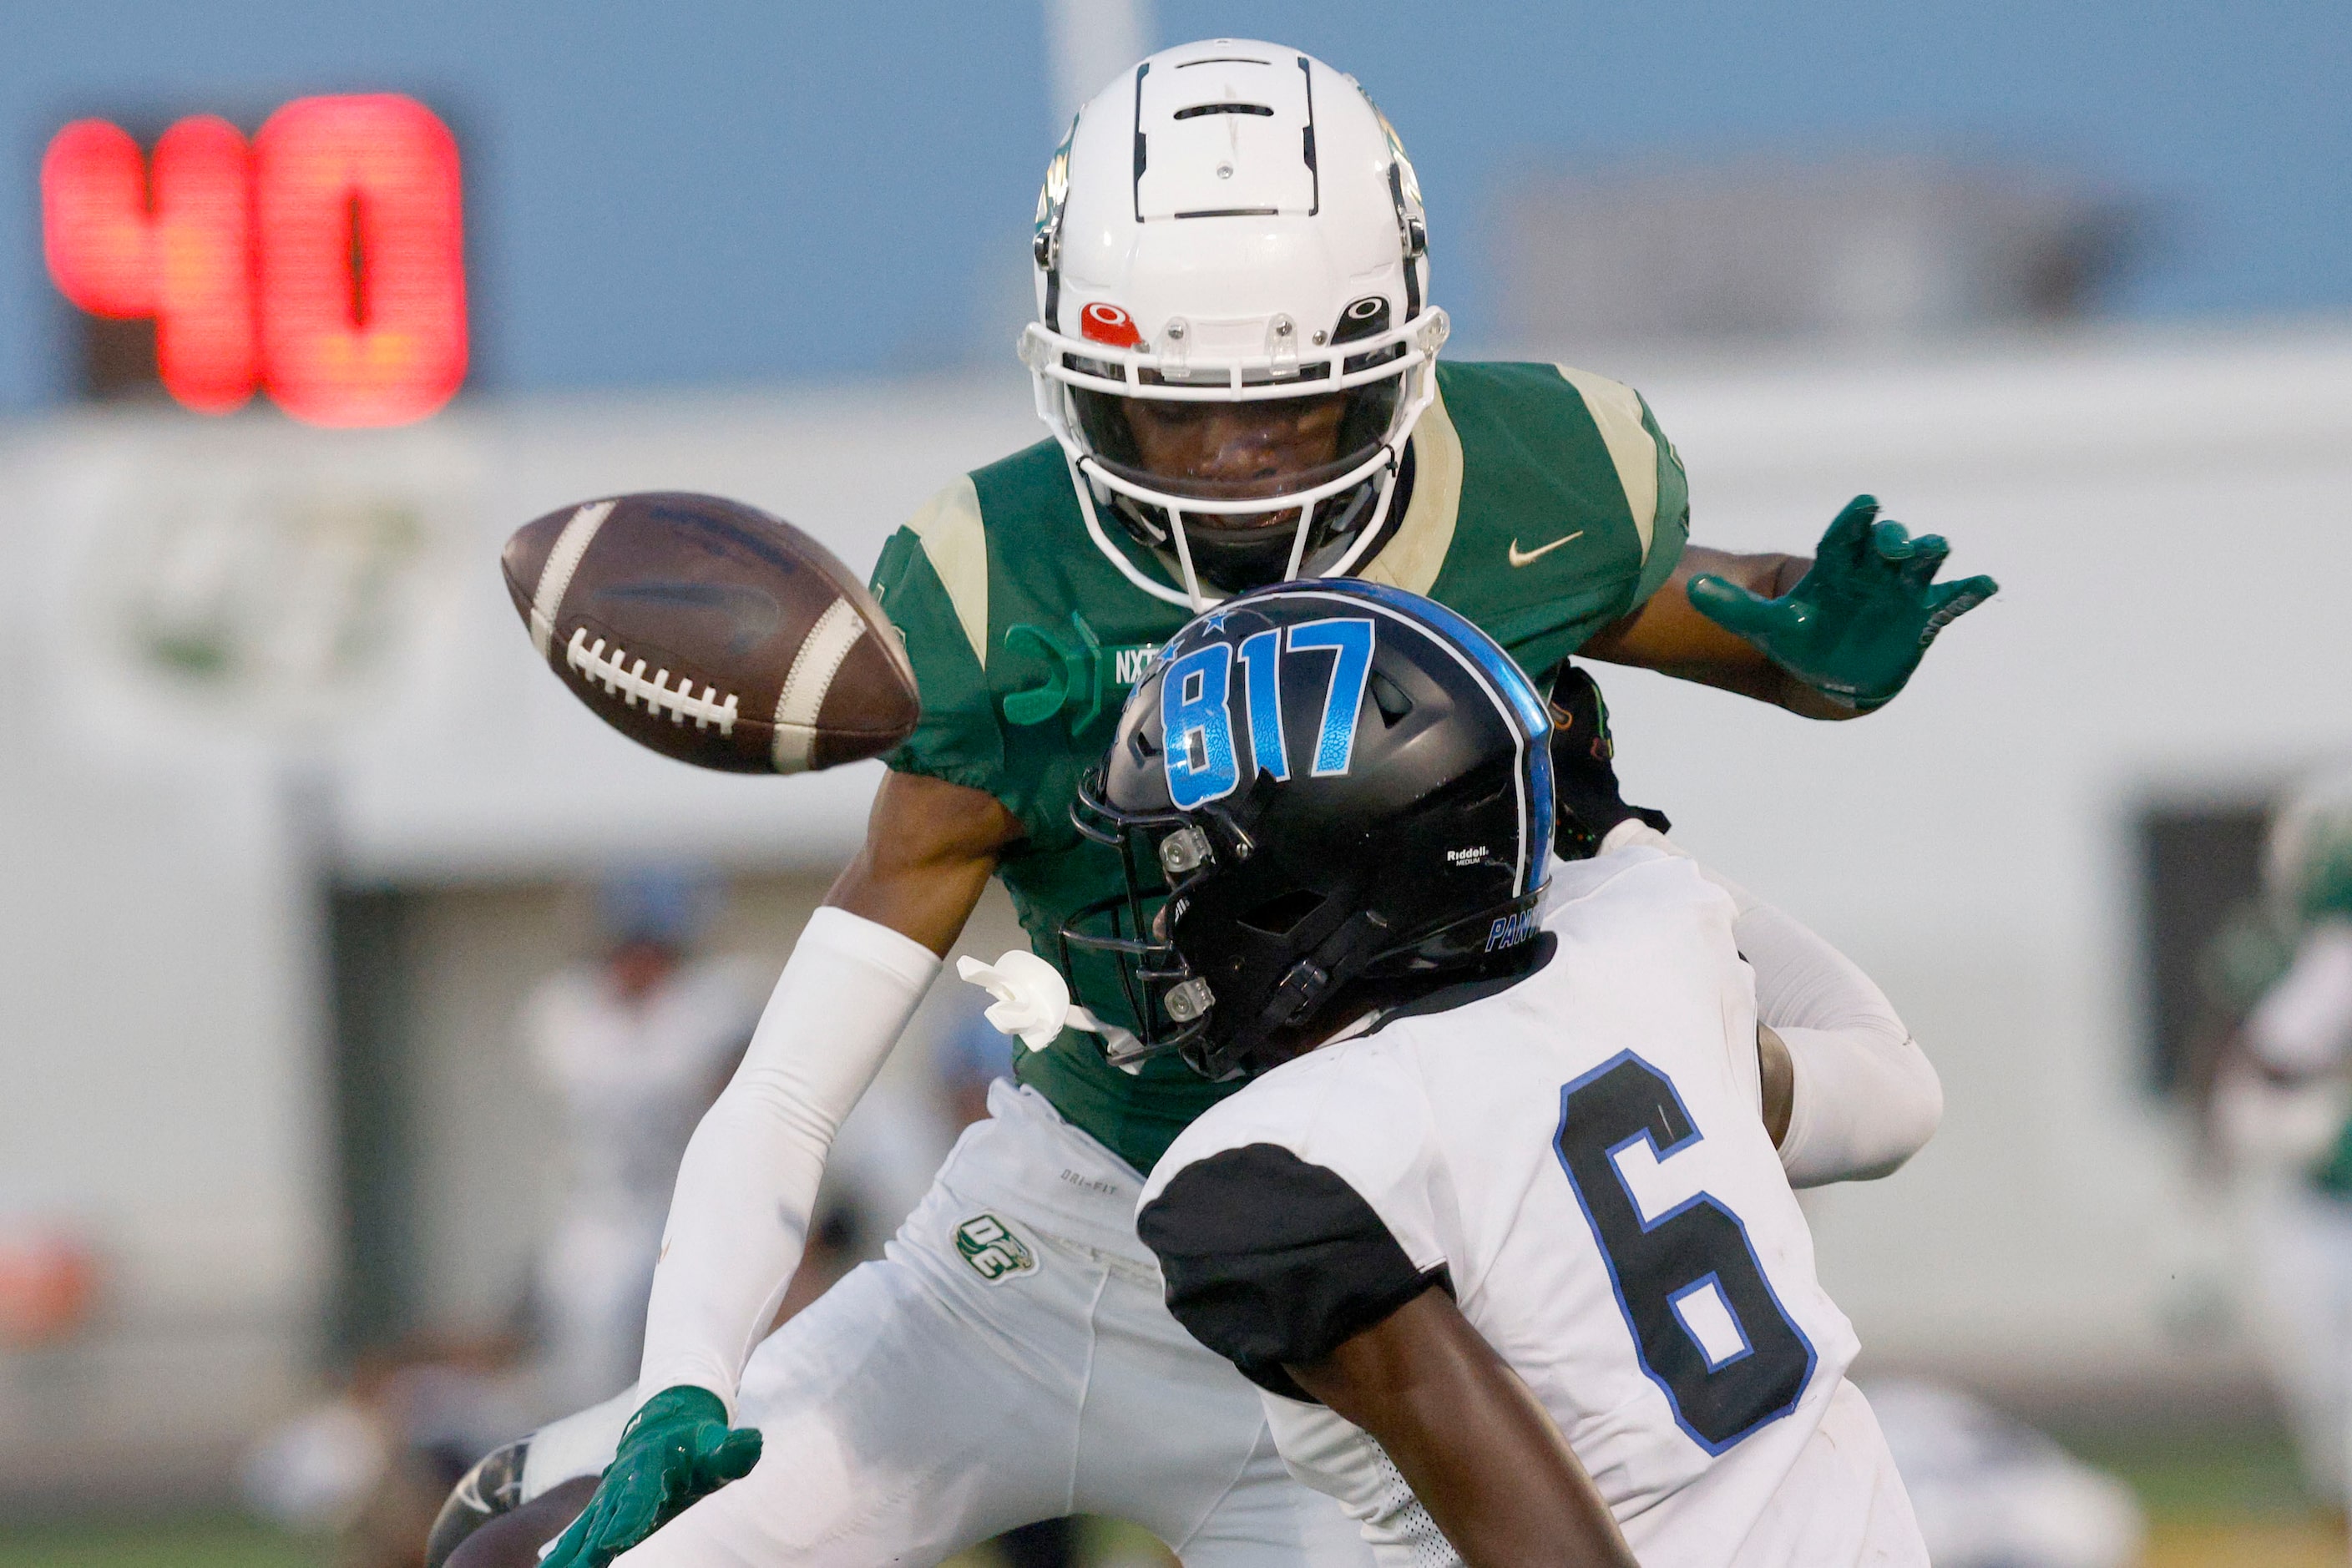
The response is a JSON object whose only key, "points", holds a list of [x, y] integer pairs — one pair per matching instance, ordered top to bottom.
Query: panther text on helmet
{"points": [[1245, 424]]}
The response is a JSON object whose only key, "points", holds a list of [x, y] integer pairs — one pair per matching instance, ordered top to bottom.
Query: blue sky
{"points": [[753, 193]]}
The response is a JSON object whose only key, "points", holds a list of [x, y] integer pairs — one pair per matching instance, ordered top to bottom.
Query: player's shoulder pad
{"points": [[1595, 431], [1649, 469], [949, 532], [931, 581], [1589, 876], [1638, 898], [1356, 1108], [1287, 1226], [1274, 1262]]}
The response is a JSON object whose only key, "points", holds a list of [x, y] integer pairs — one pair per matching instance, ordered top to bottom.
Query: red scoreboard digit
{"points": [[185, 259], [324, 263]]}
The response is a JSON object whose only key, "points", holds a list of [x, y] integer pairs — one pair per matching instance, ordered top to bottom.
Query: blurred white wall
{"points": [[2168, 519], [2172, 521], [251, 658]]}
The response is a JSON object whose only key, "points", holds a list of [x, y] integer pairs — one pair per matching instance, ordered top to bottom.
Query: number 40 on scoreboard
{"points": [[323, 262]]}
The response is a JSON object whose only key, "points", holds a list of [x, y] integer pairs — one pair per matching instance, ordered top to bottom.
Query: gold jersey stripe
{"points": [[1616, 409], [948, 525], [1412, 559]]}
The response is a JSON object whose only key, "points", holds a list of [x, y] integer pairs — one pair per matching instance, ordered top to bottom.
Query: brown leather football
{"points": [[712, 632]]}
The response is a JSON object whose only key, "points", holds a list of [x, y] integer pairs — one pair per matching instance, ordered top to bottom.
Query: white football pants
{"points": [[2300, 1242], [1009, 1359]]}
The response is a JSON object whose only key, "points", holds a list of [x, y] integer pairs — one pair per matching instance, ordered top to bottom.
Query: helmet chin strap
{"points": [[1384, 490], [1369, 532], [1184, 556], [1194, 597], [1193, 600]]}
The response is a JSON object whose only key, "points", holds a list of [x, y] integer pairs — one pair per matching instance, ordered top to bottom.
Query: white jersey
{"points": [[2303, 1025], [634, 1077], [1579, 1159]]}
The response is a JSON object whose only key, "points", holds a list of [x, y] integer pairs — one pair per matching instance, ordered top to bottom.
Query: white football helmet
{"points": [[1233, 224]]}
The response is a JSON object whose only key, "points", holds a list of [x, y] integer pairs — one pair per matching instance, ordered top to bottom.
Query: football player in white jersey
{"points": [[1500, 1228]]}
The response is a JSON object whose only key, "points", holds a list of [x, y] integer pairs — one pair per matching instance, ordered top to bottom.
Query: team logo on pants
{"points": [[994, 1253]]}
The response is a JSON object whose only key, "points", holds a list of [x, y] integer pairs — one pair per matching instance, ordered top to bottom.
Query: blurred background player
{"points": [[2283, 968], [630, 1046], [633, 1048], [1991, 1491]]}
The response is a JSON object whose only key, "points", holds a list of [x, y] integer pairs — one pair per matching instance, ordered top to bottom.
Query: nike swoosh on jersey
{"points": [[1521, 557]]}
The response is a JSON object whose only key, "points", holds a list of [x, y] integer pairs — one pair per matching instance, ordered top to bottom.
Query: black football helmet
{"points": [[1318, 787]]}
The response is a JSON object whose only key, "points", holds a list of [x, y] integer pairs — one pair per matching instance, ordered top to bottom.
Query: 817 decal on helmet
{"points": [[1196, 712], [1317, 783]]}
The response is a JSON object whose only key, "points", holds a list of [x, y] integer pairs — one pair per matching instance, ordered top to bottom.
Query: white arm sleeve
{"points": [[1866, 1098], [740, 1214]]}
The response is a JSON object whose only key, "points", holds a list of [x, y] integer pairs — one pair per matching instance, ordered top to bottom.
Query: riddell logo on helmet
{"points": [[1108, 324], [1511, 930]]}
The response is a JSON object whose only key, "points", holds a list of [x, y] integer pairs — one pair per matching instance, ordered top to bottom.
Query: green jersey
{"points": [[1545, 504]]}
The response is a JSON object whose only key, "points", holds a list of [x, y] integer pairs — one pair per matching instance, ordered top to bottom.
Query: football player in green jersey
{"points": [[1237, 357]]}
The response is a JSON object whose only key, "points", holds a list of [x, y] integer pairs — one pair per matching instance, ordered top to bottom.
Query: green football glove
{"points": [[1856, 625], [677, 1448]]}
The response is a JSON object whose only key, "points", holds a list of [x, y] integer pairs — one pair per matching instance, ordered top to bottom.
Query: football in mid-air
{"points": [[712, 632]]}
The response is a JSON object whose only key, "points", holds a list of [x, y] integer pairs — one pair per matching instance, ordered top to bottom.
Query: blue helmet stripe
{"points": [[1499, 666], [1520, 693], [1539, 786]]}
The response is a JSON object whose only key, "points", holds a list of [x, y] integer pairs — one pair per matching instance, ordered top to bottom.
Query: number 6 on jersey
{"points": [[1706, 1326]]}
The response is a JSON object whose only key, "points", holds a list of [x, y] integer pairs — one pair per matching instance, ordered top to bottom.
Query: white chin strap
{"points": [[1383, 466], [1192, 595]]}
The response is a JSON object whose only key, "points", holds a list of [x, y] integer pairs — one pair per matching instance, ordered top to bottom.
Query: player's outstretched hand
{"points": [[1856, 625], [677, 1448]]}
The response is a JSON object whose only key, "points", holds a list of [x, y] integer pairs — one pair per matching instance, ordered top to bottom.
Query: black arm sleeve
{"points": [[1269, 1260]]}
